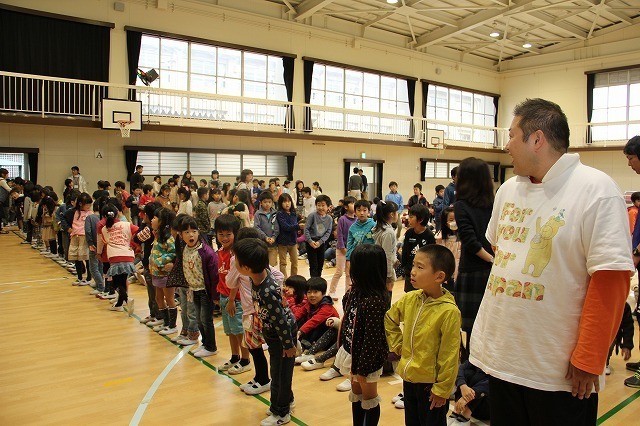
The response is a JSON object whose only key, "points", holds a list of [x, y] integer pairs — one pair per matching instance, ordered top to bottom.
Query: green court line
{"points": [[234, 381], [606, 416]]}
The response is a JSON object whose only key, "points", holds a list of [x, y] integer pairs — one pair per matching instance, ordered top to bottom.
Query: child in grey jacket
{"points": [[267, 225], [317, 231]]}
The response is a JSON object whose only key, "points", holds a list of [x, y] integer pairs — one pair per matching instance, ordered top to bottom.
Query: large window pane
{"points": [[149, 53], [174, 54], [203, 59], [229, 63], [255, 67], [275, 70], [334, 79], [173, 80], [317, 81], [354, 82], [203, 83], [371, 85], [229, 86], [387, 88], [254, 89], [277, 92], [403, 94], [634, 94], [600, 96], [617, 96], [317, 97], [442, 97], [334, 99], [455, 99], [467, 101], [353, 102], [371, 104], [388, 107], [403, 108], [150, 160], [173, 162], [276, 165]]}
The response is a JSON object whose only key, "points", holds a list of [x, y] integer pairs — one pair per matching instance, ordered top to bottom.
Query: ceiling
{"points": [[464, 26]]}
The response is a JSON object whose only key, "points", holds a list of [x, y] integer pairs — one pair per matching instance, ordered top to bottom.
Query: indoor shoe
{"points": [[94, 292], [130, 306], [116, 308], [155, 322], [167, 331], [186, 341], [203, 353], [303, 358], [312, 364], [227, 365], [633, 366], [239, 368], [607, 370], [331, 373], [633, 381], [247, 385], [344, 386], [257, 388], [397, 398], [399, 404], [291, 407], [274, 420]]}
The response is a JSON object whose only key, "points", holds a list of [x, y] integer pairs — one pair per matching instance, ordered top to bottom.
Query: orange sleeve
{"points": [[633, 216], [601, 316]]}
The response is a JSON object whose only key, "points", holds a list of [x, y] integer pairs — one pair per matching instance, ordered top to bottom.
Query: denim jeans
{"points": [[330, 254], [95, 267], [187, 311], [204, 315], [281, 377]]}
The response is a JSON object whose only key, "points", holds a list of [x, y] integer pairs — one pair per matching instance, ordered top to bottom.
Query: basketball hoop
{"points": [[125, 127]]}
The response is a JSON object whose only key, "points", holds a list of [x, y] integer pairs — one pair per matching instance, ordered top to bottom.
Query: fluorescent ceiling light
{"points": [[392, 1], [494, 34], [526, 45]]}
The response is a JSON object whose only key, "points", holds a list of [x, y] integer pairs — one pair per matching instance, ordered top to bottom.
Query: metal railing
{"points": [[54, 96]]}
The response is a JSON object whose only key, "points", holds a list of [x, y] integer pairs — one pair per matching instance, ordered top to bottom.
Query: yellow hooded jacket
{"points": [[430, 344]]}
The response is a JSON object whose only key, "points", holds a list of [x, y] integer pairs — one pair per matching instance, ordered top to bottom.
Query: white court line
{"points": [[34, 281], [156, 384]]}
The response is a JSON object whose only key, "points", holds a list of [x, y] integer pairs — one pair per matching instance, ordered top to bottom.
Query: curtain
{"points": [[134, 41], [53, 47], [288, 65], [308, 76], [591, 84], [411, 91], [425, 93], [496, 100], [32, 158], [130, 159], [290, 161], [423, 170], [347, 175], [379, 176]]}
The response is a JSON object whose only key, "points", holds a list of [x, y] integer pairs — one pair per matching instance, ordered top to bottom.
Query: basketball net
{"points": [[125, 128]]}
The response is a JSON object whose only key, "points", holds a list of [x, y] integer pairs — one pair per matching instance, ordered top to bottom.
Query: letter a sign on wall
{"points": [[99, 155]]}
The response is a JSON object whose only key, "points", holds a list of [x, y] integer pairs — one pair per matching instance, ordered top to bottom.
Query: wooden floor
{"points": [[67, 360]]}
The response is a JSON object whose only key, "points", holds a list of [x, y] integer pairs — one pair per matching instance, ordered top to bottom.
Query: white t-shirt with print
{"points": [[550, 238]]}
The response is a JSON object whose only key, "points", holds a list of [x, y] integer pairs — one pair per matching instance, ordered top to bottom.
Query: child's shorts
{"points": [[78, 249], [159, 282], [231, 325], [252, 326], [343, 364]]}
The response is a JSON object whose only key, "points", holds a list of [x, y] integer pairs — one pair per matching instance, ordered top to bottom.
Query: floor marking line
{"points": [[34, 281], [223, 374], [154, 387], [606, 416]]}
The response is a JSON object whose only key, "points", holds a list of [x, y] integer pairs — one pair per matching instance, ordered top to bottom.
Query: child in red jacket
{"points": [[295, 291], [314, 334]]}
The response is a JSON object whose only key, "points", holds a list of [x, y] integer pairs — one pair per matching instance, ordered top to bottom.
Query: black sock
{"points": [[79, 269], [88, 270], [234, 359], [244, 361], [261, 366], [357, 413], [372, 416]]}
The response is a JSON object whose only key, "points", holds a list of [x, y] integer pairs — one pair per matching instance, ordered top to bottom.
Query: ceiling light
{"points": [[392, 1], [494, 34], [526, 45]]}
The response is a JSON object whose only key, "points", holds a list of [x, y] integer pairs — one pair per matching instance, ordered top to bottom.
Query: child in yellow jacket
{"points": [[429, 343]]}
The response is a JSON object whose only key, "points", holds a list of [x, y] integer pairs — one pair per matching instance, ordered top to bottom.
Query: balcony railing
{"points": [[53, 96]]}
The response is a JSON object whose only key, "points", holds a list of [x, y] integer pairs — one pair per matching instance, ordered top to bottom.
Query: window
{"points": [[196, 67], [336, 87], [616, 100], [464, 107], [14, 163], [202, 163], [438, 169]]}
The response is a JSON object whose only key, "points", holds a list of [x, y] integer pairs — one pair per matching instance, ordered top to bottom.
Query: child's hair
{"points": [[187, 172], [214, 172], [454, 172], [244, 173], [157, 177], [171, 181], [203, 181], [67, 182], [261, 182], [287, 182], [298, 182], [392, 183], [100, 184], [120, 184], [475, 184], [193, 185], [318, 185], [138, 186], [419, 186], [164, 187], [439, 188], [147, 189], [306, 190], [202, 191], [214, 192], [185, 193], [231, 194], [265, 195], [36, 196], [244, 196], [285, 197], [635, 197], [323, 198], [82, 200], [348, 200], [376, 200], [117, 203], [362, 203], [50, 204], [96, 206], [150, 209], [383, 210], [110, 212], [420, 212], [166, 217], [177, 222], [227, 222], [188, 223], [446, 231], [247, 232], [252, 253], [441, 259], [369, 270], [317, 283], [299, 285]]}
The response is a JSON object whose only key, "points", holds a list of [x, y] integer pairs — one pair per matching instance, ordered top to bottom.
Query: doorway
{"points": [[372, 169]]}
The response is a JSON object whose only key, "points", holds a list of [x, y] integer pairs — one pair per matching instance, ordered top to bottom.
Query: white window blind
{"points": [[151, 162], [173, 163], [202, 163], [256, 163], [228, 164], [276, 165]]}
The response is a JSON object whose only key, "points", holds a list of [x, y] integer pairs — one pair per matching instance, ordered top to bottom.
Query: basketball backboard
{"points": [[114, 110]]}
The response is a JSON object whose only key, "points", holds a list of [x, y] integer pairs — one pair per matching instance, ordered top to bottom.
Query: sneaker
{"points": [[25, 242], [44, 252], [51, 255], [302, 256], [62, 262], [71, 264], [132, 279], [76, 282], [83, 283], [91, 283], [94, 292], [130, 306], [116, 308], [147, 319], [155, 322], [158, 328], [167, 331], [175, 339], [185, 341], [202, 353], [303, 358], [312, 364], [226, 366], [633, 366], [239, 368], [607, 370], [331, 373], [633, 381], [247, 385], [344, 386], [257, 388], [397, 398], [399, 404], [291, 407], [274, 420]]}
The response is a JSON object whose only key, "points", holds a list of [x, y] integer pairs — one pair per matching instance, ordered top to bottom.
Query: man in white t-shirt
{"points": [[559, 281]]}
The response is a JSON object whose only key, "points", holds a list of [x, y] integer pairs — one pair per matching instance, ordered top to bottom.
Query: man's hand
{"points": [[289, 353], [626, 353], [582, 383], [436, 401]]}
